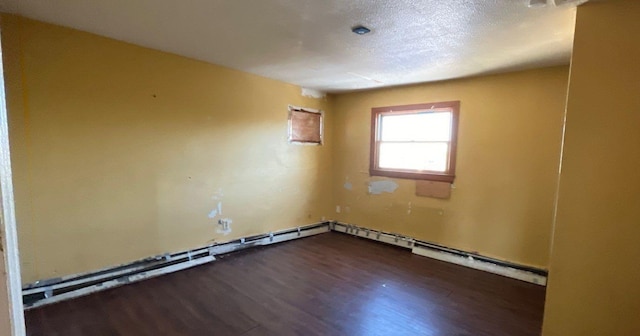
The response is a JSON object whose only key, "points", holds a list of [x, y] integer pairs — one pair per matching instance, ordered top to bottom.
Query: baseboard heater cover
{"points": [[381, 236], [442, 253], [58, 289], [54, 290]]}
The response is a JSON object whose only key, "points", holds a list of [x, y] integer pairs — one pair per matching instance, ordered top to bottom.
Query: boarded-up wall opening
{"points": [[305, 126]]}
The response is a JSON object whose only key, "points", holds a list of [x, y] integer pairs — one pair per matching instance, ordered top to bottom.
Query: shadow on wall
{"points": [[126, 151]]}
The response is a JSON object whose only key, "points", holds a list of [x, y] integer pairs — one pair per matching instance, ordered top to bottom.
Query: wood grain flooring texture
{"points": [[330, 284]]}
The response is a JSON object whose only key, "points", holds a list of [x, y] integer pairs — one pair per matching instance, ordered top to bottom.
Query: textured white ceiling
{"points": [[309, 42]]}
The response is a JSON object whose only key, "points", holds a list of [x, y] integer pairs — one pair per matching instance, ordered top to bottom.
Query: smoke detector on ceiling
{"points": [[360, 30]]}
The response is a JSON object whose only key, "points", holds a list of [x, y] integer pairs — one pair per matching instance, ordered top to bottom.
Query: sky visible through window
{"points": [[415, 141]]}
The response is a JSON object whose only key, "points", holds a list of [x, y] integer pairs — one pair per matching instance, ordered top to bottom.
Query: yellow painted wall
{"points": [[121, 151], [507, 165], [595, 265]]}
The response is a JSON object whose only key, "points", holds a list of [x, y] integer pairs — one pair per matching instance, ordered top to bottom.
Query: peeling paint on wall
{"points": [[306, 92], [347, 184], [379, 187], [217, 196], [217, 211]]}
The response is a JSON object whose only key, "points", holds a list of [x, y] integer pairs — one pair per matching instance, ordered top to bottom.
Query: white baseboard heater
{"points": [[439, 252], [57, 289], [54, 290]]}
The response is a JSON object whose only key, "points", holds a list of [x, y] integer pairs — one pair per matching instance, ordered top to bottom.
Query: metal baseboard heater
{"points": [[443, 253], [58, 289]]}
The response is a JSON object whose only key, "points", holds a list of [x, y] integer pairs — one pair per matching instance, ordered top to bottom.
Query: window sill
{"points": [[413, 175]]}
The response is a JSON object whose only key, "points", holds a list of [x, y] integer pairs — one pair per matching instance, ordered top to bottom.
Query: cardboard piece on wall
{"points": [[305, 127], [433, 189]]}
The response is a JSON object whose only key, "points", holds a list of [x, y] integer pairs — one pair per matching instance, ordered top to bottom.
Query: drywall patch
{"points": [[306, 92], [347, 183], [384, 186], [217, 196], [217, 211], [224, 226]]}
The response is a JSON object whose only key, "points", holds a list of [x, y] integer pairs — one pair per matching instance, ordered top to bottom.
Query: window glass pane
{"points": [[427, 126], [430, 156]]}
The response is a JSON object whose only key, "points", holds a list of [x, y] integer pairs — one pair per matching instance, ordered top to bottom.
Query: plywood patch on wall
{"points": [[305, 126], [433, 189]]}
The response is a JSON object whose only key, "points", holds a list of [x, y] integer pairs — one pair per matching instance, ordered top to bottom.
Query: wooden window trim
{"points": [[449, 176]]}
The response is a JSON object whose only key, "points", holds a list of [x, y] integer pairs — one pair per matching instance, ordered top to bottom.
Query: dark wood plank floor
{"points": [[330, 284]]}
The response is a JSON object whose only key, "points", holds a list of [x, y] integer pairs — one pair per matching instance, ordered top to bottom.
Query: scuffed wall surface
{"points": [[122, 152], [507, 165]]}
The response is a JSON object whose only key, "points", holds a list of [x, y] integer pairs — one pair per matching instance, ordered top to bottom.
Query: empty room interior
{"points": [[339, 167]]}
